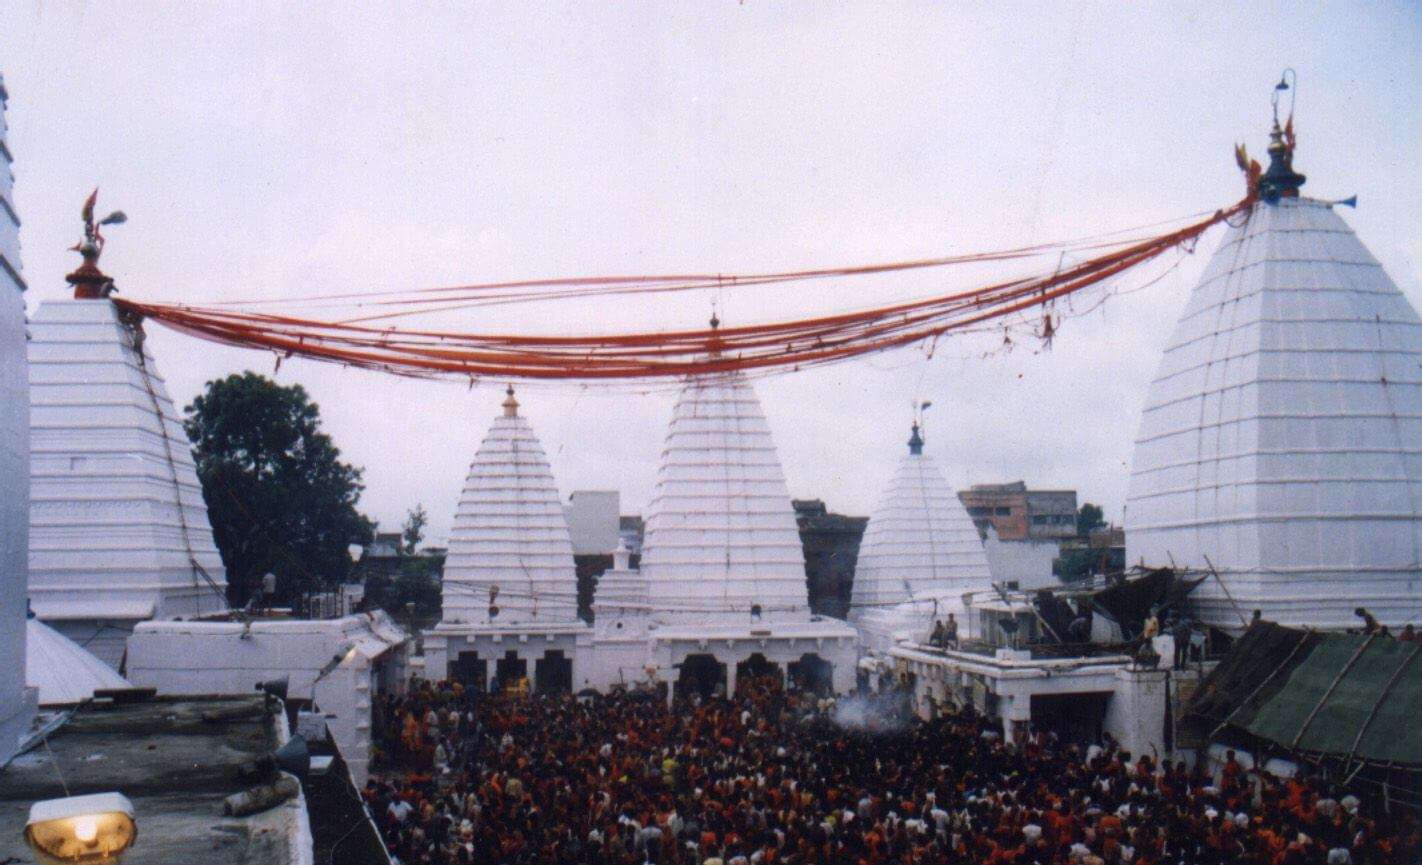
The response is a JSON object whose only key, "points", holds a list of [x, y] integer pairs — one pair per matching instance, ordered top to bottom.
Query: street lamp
{"points": [[94, 828]]}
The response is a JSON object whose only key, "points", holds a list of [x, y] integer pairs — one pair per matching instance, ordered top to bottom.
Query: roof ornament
{"points": [[1280, 180], [89, 282], [714, 343], [510, 404], [915, 442]]}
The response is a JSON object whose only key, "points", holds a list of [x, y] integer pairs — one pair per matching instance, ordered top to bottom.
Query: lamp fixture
{"points": [[81, 829]]}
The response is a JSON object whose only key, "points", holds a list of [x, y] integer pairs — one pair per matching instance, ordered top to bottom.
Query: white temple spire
{"points": [[1282, 436], [721, 539], [920, 554], [510, 558]]}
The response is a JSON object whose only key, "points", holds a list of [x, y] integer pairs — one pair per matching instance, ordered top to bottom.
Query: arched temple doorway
{"points": [[757, 666], [509, 670], [471, 671], [553, 673], [812, 673], [700, 674]]}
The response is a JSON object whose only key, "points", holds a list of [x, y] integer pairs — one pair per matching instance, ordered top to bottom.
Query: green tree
{"points": [[278, 495], [1089, 518], [414, 529]]}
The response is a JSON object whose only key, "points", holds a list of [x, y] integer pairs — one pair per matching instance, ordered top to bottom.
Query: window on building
{"points": [[1004, 512]]}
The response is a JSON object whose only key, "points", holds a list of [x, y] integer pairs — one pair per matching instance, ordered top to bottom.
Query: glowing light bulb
{"points": [[86, 828]]}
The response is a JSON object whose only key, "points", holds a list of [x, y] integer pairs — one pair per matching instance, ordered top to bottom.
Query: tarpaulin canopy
{"points": [[1350, 696]]}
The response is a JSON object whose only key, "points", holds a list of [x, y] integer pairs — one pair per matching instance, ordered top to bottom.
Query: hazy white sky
{"points": [[265, 149]]}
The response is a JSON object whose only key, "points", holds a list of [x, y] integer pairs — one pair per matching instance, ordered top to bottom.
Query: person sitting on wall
{"points": [[1370, 624], [1151, 629], [950, 632], [936, 638]]}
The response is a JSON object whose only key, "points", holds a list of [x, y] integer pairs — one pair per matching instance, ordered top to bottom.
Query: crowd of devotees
{"points": [[776, 777]]}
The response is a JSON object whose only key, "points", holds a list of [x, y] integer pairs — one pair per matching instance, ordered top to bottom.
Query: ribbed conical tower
{"points": [[1282, 436], [119, 531], [721, 538], [920, 543], [510, 556], [17, 703]]}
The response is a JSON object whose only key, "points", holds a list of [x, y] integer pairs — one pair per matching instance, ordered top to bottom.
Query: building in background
{"points": [[1017, 513], [594, 522], [630, 528], [831, 546]]}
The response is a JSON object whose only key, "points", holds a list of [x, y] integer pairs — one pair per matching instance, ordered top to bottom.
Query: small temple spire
{"points": [[510, 404], [915, 441]]}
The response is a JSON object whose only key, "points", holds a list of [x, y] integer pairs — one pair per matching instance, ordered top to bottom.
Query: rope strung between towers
{"points": [[780, 346]]}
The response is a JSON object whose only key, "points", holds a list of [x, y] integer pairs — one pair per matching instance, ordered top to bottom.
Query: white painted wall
{"points": [[592, 521], [1028, 563], [338, 663]]}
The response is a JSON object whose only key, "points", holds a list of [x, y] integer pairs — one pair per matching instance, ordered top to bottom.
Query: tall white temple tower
{"points": [[1282, 437], [119, 531], [920, 554], [722, 558], [510, 587], [17, 703]]}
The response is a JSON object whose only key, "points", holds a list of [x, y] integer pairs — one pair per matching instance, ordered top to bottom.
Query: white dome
{"points": [[1282, 436], [510, 532], [721, 535], [920, 545], [63, 671]]}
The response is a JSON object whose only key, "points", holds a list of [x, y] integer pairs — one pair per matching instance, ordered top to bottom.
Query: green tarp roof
{"points": [[1349, 687], [1344, 695]]}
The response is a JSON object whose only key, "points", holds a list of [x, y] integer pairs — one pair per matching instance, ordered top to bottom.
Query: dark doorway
{"points": [[755, 667], [471, 671], [510, 671], [553, 673], [812, 673], [700, 674], [1074, 717]]}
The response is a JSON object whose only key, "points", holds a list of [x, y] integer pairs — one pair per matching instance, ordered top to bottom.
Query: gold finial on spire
{"points": [[510, 404]]}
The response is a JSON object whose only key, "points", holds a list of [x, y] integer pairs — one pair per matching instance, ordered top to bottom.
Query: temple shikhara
{"points": [[1279, 440], [730, 675]]}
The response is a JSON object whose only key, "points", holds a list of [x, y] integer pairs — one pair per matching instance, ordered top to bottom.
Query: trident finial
{"points": [[1280, 180], [89, 282]]}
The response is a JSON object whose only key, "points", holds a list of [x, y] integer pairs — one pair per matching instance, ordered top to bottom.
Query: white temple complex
{"points": [[1281, 440], [119, 531], [920, 554], [722, 557], [721, 583], [510, 589], [17, 702]]}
